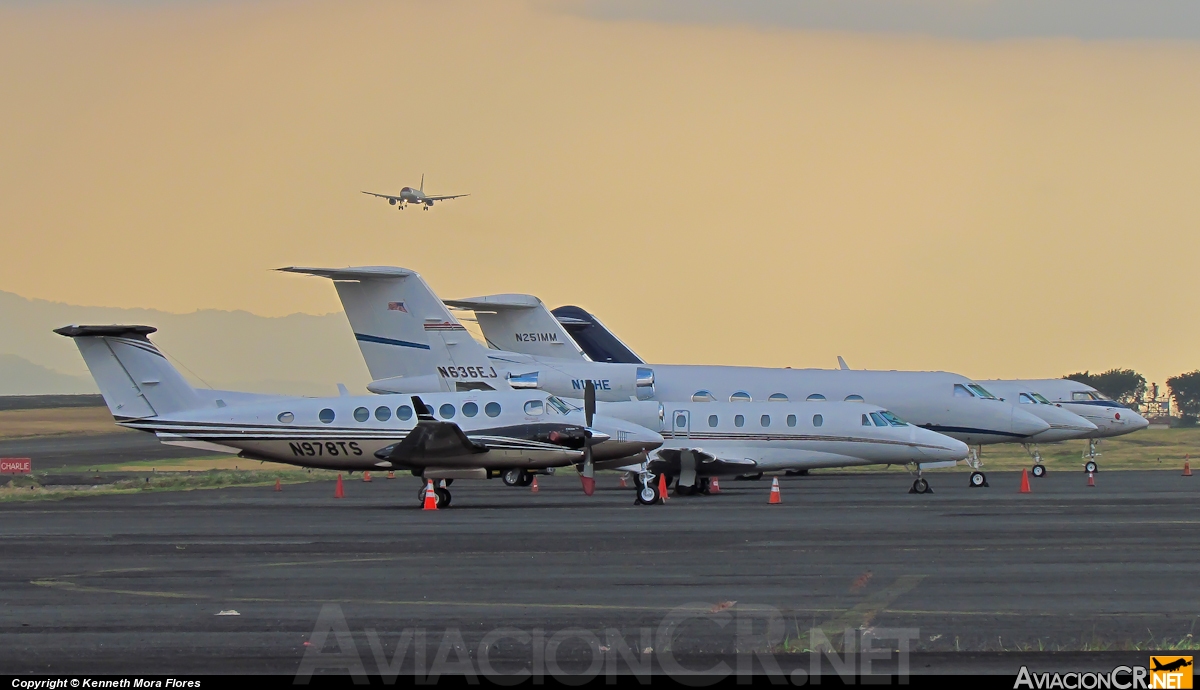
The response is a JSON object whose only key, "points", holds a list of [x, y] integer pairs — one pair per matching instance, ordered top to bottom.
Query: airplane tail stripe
{"points": [[363, 337]]}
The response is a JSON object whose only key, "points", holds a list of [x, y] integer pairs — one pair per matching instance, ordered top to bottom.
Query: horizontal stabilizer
{"points": [[351, 272]]}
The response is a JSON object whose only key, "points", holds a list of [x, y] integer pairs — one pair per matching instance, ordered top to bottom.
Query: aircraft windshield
{"points": [[981, 391], [1038, 397], [558, 405], [893, 419]]}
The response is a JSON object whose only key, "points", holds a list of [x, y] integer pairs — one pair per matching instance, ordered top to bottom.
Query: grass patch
{"points": [[58, 421], [29, 488]]}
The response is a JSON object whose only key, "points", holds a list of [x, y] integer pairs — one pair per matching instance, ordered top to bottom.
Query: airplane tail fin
{"points": [[422, 187], [521, 323], [404, 330], [594, 338], [134, 377]]}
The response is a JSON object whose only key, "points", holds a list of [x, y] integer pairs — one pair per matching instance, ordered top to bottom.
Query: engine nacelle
{"points": [[392, 201], [613, 382]]}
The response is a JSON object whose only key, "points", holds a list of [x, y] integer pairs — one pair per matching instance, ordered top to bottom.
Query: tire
{"points": [[1091, 466], [1038, 471], [511, 477], [526, 478], [978, 480], [921, 486], [646, 494], [421, 496], [443, 498]]}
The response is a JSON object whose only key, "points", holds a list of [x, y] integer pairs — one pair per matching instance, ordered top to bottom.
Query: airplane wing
{"points": [[389, 197], [443, 198], [430, 440], [707, 461]]}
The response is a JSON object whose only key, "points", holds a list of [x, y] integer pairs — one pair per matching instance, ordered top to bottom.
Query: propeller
{"points": [[587, 475]]}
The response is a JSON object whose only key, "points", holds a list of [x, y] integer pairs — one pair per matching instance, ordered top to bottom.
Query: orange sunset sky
{"points": [[717, 192]]}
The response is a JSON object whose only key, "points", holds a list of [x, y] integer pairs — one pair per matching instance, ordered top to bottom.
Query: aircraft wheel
{"points": [[1091, 466], [1038, 471], [797, 473], [511, 477], [526, 478], [978, 479], [702, 485], [920, 486], [683, 490], [647, 494], [421, 495], [443, 498]]}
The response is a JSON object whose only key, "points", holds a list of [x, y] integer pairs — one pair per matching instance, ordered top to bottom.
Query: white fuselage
{"points": [[939, 401], [1110, 417], [344, 433], [740, 438]]}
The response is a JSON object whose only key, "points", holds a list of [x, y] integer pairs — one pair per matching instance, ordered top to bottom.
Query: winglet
{"points": [[842, 364], [424, 414]]}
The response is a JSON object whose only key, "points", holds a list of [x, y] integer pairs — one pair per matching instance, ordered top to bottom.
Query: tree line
{"points": [[1129, 387]]}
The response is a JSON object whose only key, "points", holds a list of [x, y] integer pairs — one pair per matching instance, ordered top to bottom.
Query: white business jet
{"points": [[390, 309], [1110, 417], [472, 435]]}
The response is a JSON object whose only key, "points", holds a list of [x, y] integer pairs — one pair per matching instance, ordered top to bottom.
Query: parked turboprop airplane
{"points": [[408, 195], [390, 309], [1110, 417], [476, 435]]}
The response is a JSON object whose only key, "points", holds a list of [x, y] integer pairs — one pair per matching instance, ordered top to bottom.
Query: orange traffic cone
{"points": [[1187, 466], [391, 474], [366, 476], [1091, 480], [1024, 481], [623, 484], [278, 486], [713, 486], [533, 487], [662, 488], [338, 492], [430, 497], [775, 497]]}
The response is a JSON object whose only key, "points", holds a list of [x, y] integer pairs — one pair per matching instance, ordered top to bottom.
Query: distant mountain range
{"points": [[299, 354]]}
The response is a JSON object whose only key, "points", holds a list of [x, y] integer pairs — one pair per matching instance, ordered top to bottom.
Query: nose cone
{"points": [[1134, 421], [1025, 424], [1064, 424], [622, 439], [935, 446]]}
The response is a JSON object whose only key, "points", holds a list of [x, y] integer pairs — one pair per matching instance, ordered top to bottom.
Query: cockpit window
{"points": [[960, 391], [981, 391], [1081, 395], [1038, 397], [1025, 399], [556, 403], [533, 407], [878, 419], [892, 419], [866, 420]]}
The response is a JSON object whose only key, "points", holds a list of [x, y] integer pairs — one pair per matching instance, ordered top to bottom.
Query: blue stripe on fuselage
{"points": [[388, 341], [968, 430]]}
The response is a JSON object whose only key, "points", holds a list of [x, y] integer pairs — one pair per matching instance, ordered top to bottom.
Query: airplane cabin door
{"points": [[681, 424]]}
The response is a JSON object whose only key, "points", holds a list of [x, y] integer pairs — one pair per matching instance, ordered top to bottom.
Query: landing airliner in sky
{"points": [[408, 195]]}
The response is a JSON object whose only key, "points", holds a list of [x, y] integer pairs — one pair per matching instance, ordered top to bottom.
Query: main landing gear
{"points": [[516, 477], [699, 488], [441, 493]]}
